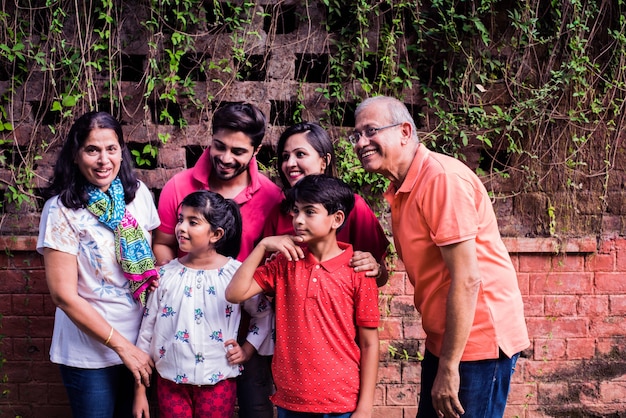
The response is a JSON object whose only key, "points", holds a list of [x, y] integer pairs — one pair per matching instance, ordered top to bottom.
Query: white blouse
{"points": [[100, 280], [188, 319]]}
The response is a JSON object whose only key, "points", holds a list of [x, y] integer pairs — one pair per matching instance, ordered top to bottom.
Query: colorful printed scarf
{"points": [[131, 247]]}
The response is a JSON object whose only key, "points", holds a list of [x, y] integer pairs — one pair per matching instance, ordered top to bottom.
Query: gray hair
{"points": [[397, 111]]}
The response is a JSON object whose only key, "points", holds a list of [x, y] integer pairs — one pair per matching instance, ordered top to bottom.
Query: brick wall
{"points": [[575, 307]]}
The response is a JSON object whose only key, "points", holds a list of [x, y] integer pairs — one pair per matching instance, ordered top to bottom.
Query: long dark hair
{"points": [[317, 137], [68, 182], [219, 213]]}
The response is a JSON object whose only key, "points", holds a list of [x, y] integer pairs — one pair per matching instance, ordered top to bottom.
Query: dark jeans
{"points": [[254, 387], [483, 390], [99, 393], [285, 413]]}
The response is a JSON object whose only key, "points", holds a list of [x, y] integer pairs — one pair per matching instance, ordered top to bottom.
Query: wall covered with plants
{"points": [[530, 94]]}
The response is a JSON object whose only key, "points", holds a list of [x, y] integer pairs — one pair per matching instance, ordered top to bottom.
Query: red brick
{"points": [[600, 262], [533, 263], [13, 281], [523, 281], [37, 282], [560, 283], [612, 283], [396, 284], [6, 304], [617, 304], [28, 305], [534, 305], [561, 305], [402, 306], [591, 306], [49, 307], [15, 326], [607, 326], [561, 327], [412, 328], [390, 329], [609, 345], [580, 348], [29, 349], [549, 349], [543, 369], [17, 371], [46, 371], [411, 371], [389, 372], [519, 372], [613, 392], [10, 393], [34, 393], [380, 393], [549, 393], [522, 394], [401, 395], [515, 411], [52, 412], [387, 412]]}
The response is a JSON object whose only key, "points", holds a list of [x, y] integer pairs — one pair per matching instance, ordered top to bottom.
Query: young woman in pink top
{"points": [[306, 148]]}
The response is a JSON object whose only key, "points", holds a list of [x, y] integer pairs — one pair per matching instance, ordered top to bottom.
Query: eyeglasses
{"points": [[368, 133]]}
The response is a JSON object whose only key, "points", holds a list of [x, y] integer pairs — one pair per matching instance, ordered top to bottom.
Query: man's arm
{"points": [[164, 246], [462, 263], [368, 343]]}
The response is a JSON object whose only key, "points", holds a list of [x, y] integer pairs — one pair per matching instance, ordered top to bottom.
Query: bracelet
{"points": [[109, 339]]}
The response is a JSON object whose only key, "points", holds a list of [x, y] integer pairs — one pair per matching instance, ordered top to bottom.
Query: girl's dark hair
{"points": [[241, 117], [317, 137], [68, 182], [330, 192], [219, 213]]}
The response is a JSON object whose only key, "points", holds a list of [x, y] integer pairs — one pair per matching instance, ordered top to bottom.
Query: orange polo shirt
{"points": [[442, 202]]}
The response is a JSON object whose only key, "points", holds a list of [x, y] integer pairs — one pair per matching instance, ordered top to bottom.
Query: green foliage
{"points": [[536, 88], [368, 185]]}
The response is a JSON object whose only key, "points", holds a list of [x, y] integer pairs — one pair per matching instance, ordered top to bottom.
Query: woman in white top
{"points": [[94, 235], [189, 327]]}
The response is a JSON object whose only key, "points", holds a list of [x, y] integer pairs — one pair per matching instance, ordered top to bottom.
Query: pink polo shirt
{"points": [[255, 201], [442, 202], [319, 306]]}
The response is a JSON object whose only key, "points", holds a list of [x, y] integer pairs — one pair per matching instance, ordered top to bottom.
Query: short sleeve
{"points": [[146, 208], [449, 208], [57, 228]]}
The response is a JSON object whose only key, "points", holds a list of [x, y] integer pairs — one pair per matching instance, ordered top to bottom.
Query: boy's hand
{"points": [[286, 244]]}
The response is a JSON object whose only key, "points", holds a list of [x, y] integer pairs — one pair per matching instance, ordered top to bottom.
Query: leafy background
{"points": [[529, 93]]}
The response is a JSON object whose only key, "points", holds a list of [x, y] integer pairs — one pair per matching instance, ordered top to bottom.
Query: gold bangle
{"points": [[109, 339]]}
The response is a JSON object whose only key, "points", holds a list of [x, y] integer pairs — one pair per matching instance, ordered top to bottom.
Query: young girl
{"points": [[189, 328]]}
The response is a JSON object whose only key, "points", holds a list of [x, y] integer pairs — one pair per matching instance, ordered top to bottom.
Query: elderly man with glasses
{"points": [[466, 289]]}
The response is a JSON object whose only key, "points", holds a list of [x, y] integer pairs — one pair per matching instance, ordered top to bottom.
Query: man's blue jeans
{"points": [[483, 390], [99, 393], [285, 413]]}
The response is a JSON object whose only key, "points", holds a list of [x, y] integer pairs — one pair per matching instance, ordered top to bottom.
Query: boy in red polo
{"points": [[323, 307]]}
